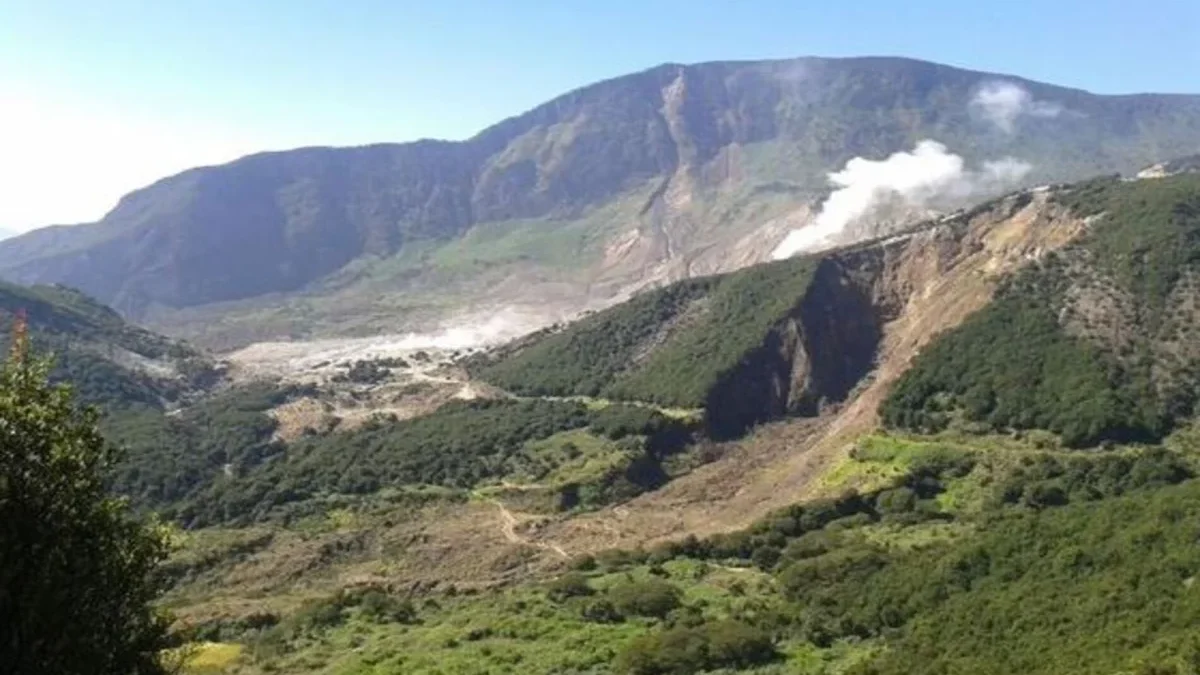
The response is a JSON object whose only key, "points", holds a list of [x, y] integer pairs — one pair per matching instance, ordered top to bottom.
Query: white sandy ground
{"points": [[317, 359]]}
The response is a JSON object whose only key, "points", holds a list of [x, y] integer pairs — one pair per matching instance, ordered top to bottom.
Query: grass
{"points": [[575, 456], [878, 460], [912, 537], [518, 630], [211, 658], [805, 659]]}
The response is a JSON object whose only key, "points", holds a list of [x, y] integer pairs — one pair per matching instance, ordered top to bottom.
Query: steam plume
{"points": [[1002, 103], [928, 177]]}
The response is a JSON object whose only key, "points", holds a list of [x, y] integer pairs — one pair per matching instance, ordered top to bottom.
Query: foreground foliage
{"points": [[76, 570]]}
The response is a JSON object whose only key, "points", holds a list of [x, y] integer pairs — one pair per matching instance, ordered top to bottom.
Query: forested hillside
{"points": [[1095, 342], [676, 346], [107, 360], [220, 461]]}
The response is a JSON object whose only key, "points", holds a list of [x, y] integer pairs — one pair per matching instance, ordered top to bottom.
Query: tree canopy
{"points": [[77, 571]]}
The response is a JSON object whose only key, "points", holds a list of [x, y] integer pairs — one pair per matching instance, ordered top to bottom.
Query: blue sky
{"points": [[98, 98]]}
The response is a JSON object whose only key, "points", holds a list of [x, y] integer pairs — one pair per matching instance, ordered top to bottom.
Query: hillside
{"points": [[673, 172], [1093, 341], [1096, 342], [744, 347], [107, 360]]}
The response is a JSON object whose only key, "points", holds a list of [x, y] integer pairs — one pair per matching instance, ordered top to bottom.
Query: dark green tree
{"points": [[77, 571]]}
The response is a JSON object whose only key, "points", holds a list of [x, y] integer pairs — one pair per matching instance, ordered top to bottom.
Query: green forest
{"points": [[668, 346], [218, 461]]}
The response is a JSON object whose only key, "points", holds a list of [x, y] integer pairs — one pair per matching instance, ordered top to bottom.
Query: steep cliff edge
{"points": [[813, 357]]}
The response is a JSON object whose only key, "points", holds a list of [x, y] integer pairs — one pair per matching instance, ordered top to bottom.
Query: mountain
{"points": [[676, 171]]}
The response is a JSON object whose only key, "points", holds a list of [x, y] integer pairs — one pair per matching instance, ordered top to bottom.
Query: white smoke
{"points": [[1002, 103], [928, 177]]}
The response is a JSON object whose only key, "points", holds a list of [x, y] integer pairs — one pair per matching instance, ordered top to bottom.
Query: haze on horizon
{"points": [[98, 101]]}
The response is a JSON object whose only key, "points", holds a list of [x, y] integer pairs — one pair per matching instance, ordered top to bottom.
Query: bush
{"points": [[765, 557], [584, 563], [569, 585], [650, 598], [380, 607], [600, 611], [319, 615], [684, 650]]}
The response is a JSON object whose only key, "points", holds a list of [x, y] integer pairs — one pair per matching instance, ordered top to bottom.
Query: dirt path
{"points": [[508, 527]]}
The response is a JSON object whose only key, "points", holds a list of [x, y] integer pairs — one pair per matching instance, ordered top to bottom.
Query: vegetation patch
{"points": [[658, 347], [219, 462]]}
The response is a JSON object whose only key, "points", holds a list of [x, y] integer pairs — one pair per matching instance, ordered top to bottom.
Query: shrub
{"points": [[569, 585], [651, 598], [383, 608], [600, 611], [722, 644]]}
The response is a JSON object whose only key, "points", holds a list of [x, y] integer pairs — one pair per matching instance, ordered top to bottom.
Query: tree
{"points": [[77, 570], [569, 585], [650, 598]]}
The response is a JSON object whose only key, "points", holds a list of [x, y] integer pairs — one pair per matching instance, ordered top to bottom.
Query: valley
{"points": [[804, 367]]}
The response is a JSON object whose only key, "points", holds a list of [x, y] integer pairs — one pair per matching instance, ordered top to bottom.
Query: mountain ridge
{"points": [[625, 182]]}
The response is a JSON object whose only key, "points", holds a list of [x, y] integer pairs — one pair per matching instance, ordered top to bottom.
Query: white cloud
{"points": [[1003, 103], [70, 161], [929, 176]]}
